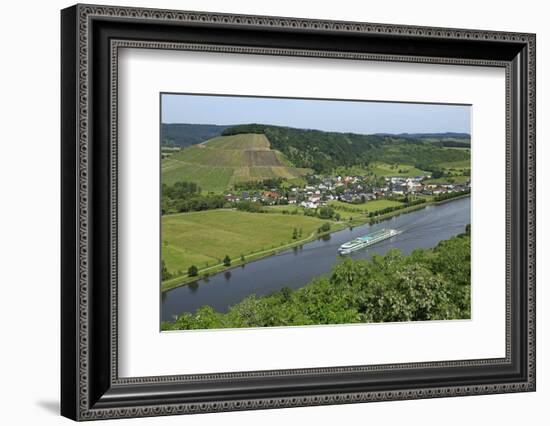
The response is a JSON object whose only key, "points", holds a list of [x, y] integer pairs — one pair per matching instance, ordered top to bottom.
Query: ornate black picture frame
{"points": [[91, 388]]}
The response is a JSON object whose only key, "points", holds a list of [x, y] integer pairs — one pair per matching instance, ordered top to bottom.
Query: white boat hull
{"points": [[365, 241]]}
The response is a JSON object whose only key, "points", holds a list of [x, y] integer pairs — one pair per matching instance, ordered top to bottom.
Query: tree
{"points": [[436, 174], [326, 212], [325, 227], [294, 234], [242, 257], [227, 260], [164, 271], [193, 271], [428, 284], [285, 293]]}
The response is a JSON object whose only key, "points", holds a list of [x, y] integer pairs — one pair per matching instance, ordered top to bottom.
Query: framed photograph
{"points": [[263, 212]]}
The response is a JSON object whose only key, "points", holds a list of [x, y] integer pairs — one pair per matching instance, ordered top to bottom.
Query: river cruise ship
{"points": [[367, 240]]}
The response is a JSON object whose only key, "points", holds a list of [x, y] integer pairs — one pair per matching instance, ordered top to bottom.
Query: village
{"points": [[348, 189]]}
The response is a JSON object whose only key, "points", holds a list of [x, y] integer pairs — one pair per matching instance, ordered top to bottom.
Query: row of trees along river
{"points": [[312, 284]]}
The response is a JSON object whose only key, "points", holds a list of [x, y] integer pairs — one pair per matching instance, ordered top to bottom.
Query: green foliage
{"points": [[179, 134], [325, 151], [382, 169], [437, 173], [260, 185], [450, 195], [186, 197], [250, 206], [386, 210], [326, 212], [325, 227], [227, 260], [193, 271], [165, 274], [431, 284]]}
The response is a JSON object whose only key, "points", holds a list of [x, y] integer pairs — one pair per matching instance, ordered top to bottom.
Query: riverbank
{"points": [[415, 207], [358, 220], [221, 267], [296, 267], [441, 292]]}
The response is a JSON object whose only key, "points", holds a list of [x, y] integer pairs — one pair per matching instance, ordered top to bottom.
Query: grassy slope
{"points": [[242, 142], [216, 164], [465, 164], [384, 169], [449, 180], [367, 207], [346, 209], [204, 238]]}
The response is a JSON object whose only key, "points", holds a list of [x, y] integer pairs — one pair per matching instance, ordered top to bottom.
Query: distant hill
{"points": [[182, 135], [445, 135], [447, 139], [324, 151], [219, 162]]}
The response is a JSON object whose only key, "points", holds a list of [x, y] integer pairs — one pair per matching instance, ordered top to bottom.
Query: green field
{"points": [[465, 148], [222, 161], [456, 165], [396, 169], [350, 171], [449, 180], [369, 206], [282, 207], [344, 209], [204, 238]]}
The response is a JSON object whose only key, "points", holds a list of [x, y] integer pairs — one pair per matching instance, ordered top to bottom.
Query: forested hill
{"points": [[182, 134], [444, 135], [446, 139], [324, 151]]}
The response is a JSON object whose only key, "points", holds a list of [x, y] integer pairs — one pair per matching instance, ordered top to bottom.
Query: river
{"points": [[296, 267]]}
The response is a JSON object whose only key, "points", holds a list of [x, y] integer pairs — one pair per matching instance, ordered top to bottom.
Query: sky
{"points": [[330, 115]]}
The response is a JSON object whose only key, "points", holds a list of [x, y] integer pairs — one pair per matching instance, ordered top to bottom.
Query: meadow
{"points": [[459, 166], [397, 169], [459, 179], [369, 206], [204, 238], [429, 284]]}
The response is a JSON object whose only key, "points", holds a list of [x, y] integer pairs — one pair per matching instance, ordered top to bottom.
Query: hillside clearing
{"points": [[464, 164], [396, 169]]}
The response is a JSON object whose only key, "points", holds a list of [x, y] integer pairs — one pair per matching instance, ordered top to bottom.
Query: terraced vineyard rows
{"points": [[222, 161]]}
